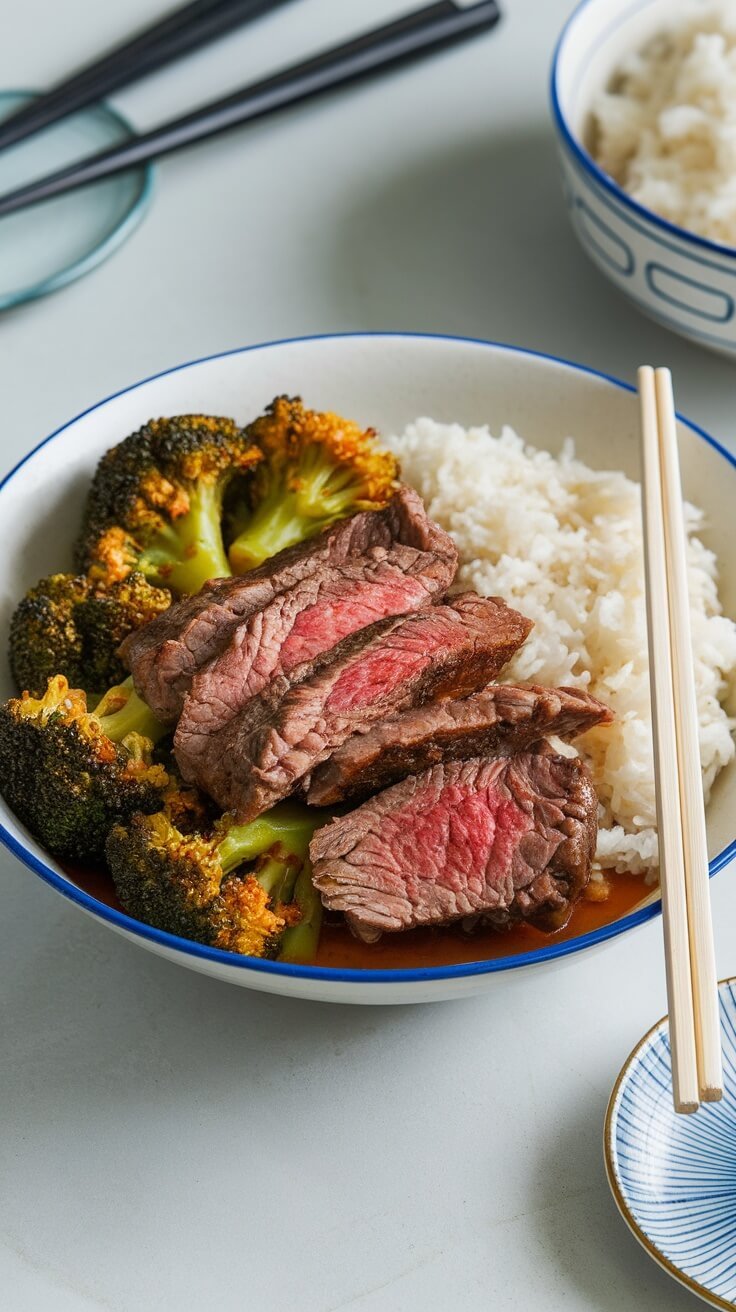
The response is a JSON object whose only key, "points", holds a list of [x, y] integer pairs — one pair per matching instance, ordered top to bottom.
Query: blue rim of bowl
{"points": [[588, 164], [99, 253], [295, 970], [610, 1160]]}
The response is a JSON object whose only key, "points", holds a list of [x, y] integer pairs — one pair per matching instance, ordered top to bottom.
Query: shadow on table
{"points": [[475, 240], [104, 1014], [111, 1050], [577, 1223]]}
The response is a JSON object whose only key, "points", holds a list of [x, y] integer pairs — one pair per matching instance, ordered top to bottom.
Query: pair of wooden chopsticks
{"points": [[431, 28], [692, 986]]}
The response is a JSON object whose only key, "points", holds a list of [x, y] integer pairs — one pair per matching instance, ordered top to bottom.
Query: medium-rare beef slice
{"points": [[296, 627], [164, 656], [501, 718], [264, 753], [507, 839]]}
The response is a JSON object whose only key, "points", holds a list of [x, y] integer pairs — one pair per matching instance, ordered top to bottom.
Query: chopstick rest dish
{"points": [[54, 245], [672, 1176]]}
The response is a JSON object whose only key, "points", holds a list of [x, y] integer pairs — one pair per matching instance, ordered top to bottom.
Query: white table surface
{"points": [[168, 1142]]}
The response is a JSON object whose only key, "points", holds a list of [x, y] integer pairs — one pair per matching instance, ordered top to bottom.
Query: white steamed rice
{"points": [[666, 129], [562, 543]]}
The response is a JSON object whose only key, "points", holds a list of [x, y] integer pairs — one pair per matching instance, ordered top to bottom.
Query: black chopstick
{"points": [[437, 25], [187, 28]]}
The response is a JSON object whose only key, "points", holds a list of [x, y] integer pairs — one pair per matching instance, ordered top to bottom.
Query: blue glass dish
{"points": [[47, 246]]}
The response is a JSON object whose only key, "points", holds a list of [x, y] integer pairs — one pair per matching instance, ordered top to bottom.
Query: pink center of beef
{"points": [[320, 627], [402, 655], [463, 842]]}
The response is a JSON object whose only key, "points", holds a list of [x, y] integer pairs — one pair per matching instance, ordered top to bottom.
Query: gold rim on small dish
{"points": [[659, 1257]]}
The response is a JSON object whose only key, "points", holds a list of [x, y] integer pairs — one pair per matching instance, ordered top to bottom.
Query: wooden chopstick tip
{"points": [[711, 1094]]}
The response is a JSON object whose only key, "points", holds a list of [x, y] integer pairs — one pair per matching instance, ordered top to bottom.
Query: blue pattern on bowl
{"points": [[686, 282], [689, 294], [674, 1177]]}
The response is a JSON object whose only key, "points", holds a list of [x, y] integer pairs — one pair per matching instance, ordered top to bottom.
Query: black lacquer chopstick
{"points": [[438, 25], [186, 29]]}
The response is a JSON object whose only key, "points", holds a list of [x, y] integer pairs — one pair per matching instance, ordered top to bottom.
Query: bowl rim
{"points": [[589, 165], [297, 970], [610, 1160]]}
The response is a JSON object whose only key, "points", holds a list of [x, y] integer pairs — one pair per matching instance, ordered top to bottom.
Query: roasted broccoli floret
{"points": [[317, 468], [158, 500], [106, 617], [69, 624], [44, 637], [69, 774], [243, 888]]}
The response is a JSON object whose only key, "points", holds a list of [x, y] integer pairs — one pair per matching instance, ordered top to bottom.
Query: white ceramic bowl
{"points": [[684, 281], [385, 380]]}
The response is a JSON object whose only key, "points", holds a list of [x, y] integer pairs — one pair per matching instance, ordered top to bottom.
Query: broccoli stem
{"points": [[307, 498], [277, 523], [190, 551], [121, 711], [286, 826], [284, 834], [277, 875], [300, 942]]}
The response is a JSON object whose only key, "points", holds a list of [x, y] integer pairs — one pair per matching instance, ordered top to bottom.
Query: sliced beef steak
{"points": [[296, 627], [164, 656], [501, 718], [264, 753], [508, 839]]}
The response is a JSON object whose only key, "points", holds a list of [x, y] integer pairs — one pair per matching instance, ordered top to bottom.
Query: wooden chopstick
{"points": [[431, 28], [177, 34], [669, 818], [695, 846], [690, 965]]}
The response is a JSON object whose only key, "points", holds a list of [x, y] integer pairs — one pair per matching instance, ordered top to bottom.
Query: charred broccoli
{"points": [[317, 468], [158, 500], [106, 617], [68, 624], [44, 637], [70, 774], [243, 888]]}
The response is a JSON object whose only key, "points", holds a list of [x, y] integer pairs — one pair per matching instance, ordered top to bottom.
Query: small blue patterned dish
{"points": [[674, 1177]]}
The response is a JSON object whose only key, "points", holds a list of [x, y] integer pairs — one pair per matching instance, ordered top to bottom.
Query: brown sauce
{"points": [[437, 947], [448, 947]]}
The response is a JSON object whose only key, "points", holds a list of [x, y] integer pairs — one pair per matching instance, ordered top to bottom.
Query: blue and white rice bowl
{"points": [[685, 281], [674, 1177]]}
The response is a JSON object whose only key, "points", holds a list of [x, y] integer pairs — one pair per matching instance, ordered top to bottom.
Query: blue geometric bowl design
{"points": [[684, 281], [674, 1177]]}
